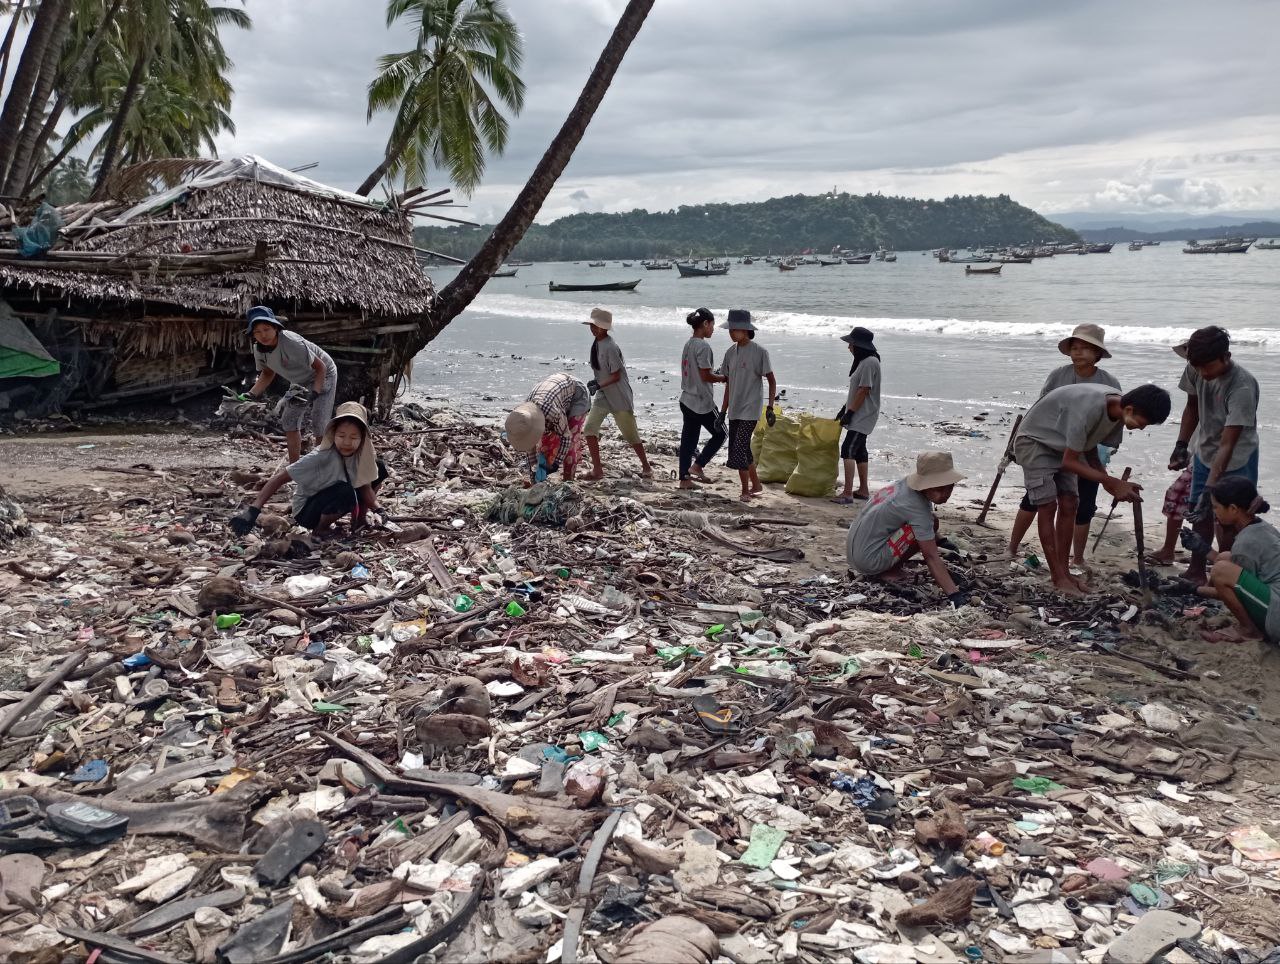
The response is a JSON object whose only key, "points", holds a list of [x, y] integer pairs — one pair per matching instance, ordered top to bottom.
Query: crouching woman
{"points": [[340, 478], [898, 522], [1246, 579]]}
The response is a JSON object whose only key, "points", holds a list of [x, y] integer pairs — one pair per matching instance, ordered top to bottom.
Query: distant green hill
{"points": [[783, 225], [1253, 229]]}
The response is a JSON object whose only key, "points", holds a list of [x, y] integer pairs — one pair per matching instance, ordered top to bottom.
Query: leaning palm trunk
{"points": [[43, 28], [6, 47], [66, 85], [115, 133], [20, 163], [378, 173], [462, 290]]}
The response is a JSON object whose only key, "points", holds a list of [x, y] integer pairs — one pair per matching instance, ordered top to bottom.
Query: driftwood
{"points": [[34, 698], [952, 904]]}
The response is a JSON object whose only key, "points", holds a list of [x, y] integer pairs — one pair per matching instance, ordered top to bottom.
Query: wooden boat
{"points": [[1136, 245], [1268, 245], [1230, 246], [1101, 247], [890, 258], [858, 259], [977, 259], [1014, 259], [519, 264], [595, 264], [626, 264], [827, 264], [656, 265], [784, 266], [994, 269], [706, 270], [504, 273], [603, 286]]}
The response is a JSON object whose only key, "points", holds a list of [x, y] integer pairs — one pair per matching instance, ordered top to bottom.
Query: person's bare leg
{"points": [[293, 441], [597, 470], [646, 470], [744, 476], [862, 480], [756, 487], [847, 491], [1021, 523], [1045, 527], [324, 528], [1064, 532], [1079, 542], [1164, 556], [898, 571], [1196, 571], [1223, 578]]}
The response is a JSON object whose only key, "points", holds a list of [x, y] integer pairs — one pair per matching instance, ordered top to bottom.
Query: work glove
{"points": [[593, 386], [313, 394], [296, 395], [248, 397], [840, 415], [720, 417], [769, 417], [1180, 458], [1202, 509], [244, 520], [1195, 543], [958, 598]]}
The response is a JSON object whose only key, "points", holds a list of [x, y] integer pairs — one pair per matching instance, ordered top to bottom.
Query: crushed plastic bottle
{"points": [[462, 603], [228, 620]]}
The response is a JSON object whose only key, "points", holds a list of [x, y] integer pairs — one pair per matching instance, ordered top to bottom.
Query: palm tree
{"points": [[47, 27], [443, 91], [462, 290]]}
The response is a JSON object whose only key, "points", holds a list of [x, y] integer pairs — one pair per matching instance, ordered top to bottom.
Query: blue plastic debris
{"points": [[137, 661], [90, 772]]}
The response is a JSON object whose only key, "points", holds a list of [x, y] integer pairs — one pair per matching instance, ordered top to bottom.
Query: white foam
{"points": [[801, 324]]}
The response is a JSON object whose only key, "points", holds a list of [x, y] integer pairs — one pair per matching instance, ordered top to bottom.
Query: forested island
{"points": [[780, 225]]}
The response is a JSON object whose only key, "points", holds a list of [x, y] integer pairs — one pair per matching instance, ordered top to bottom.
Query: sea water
{"points": [[961, 354]]}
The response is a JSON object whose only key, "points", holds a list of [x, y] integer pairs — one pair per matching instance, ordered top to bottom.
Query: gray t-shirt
{"points": [[291, 359], [609, 360], [745, 365], [866, 375], [1066, 375], [696, 394], [1231, 399], [1072, 417], [318, 470], [892, 521], [1257, 548]]}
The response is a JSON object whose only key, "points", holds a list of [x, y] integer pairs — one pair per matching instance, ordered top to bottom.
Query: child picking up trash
{"points": [[340, 478], [899, 522], [1246, 579]]}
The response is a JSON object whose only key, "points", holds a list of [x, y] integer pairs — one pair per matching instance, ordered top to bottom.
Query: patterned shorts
{"points": [[740, 443], [1177, 495]]}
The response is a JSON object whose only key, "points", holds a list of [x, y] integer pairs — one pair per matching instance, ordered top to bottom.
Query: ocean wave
{"points": [[803, 324]]}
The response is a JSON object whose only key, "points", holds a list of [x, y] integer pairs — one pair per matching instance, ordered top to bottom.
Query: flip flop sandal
{"points": [[843, 500], [229, 700], [717, 717]]}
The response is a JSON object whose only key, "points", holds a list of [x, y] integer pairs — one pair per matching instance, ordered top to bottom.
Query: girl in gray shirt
{"points": [[1247, 579]]}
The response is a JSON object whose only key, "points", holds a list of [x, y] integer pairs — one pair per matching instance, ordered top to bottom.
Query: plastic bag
{"points": [[37, 237], [774, 449], [817, 457]]}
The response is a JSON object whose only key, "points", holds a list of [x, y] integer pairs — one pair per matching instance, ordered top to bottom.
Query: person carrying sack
{"points": [[310, 372], [341, 477]]}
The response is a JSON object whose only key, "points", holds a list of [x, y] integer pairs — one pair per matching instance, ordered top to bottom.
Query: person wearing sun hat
{"points": [[1085, 346], [744, 364], [307, 368], [613, 395], [860, 412], [547, 425], [1218, 436], [340, 477], [899, 521]]}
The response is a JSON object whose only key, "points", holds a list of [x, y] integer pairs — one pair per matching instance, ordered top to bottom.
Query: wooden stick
{"points": [[1005, 460], [1114, 502], [64, 670]]}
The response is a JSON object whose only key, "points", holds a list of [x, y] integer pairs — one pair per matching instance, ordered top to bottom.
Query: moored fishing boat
{"points": [[1224, 246], [858, 259], [595, 264], [707, 269], [994, 269], [504, 273], [602, 286]]}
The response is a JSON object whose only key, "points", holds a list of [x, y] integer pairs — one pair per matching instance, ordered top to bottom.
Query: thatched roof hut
{"points": [[145, 294]]}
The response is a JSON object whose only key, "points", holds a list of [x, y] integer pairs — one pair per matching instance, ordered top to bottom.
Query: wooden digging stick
{"points": [[1005, 461], [1107, 521], [1140, 536]]}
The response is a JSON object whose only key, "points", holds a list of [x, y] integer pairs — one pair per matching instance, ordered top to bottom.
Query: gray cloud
{"points": [[1064, 106]]}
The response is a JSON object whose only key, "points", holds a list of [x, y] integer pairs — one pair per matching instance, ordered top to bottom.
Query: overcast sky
{"points": [[1080, 105]]}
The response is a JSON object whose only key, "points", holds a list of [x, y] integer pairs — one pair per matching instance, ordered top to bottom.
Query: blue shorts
{"points": [[1200, 475]]}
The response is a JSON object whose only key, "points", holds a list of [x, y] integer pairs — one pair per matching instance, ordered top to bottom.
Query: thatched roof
{"points": [[228, 234]]}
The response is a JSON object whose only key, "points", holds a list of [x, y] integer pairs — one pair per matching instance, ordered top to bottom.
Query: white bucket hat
{"points": [[601, 319], [1091, 334], [525, 425], [366, 457], [933, 471]]}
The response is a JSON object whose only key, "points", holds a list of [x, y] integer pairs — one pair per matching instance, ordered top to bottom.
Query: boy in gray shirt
{"points": [[743, 366], [613, 395], [697, 404], [1220, 423], [1056, 446]]}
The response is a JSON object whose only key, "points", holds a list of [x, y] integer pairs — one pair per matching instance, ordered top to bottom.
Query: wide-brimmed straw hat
{"points": [[261, 313], [601, 319], [739, 320], [1090, 334], [860, 337], [1180, 349], [525, 425], [366, 458], [933, 471]]}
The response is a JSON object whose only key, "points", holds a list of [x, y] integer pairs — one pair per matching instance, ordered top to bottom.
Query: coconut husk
{"points": [[220, 594], [952, 904], [671, 940]]}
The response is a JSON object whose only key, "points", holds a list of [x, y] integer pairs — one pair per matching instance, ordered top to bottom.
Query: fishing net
{"points": [[547, 503]]}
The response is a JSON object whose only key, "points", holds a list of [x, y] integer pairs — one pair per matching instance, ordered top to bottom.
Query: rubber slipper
{"points": [[844, 500], [229, 700], [717, 717]]}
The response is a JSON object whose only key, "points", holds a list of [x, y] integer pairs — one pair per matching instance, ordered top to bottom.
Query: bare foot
{"points": [[647, 473], [698, 475], [593, 477], [685, 484], [757, 489], [862, 494], [746, 497], [1159, 559], [1196, 578], [1068, 587], [1229, 635]]}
